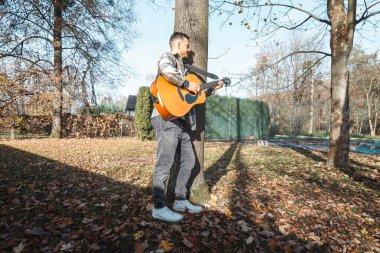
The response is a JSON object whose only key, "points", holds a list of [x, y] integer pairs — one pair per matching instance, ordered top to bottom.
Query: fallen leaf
{"points": [[12, 189], [15, 202], [149, 207], [227, 212], [87, 221], [144, 223], [177, 228], [245, 229], [283, 230], [38, 231], [107, 231], [205, 233], [266, 233], [138, 235], [249, 240], [187, 243], [165, 245], [272, 245], [66, 247], [95, 247], [140, 247], [19, 248]]}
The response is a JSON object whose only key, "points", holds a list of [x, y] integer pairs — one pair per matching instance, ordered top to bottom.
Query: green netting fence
{"points": [[236, 119]]}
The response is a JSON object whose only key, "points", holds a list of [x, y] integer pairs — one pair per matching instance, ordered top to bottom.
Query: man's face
{"points": [[184, 48]]}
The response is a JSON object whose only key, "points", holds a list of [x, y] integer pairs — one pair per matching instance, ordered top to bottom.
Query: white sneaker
{"points": [[183, 205], [166, 214]]}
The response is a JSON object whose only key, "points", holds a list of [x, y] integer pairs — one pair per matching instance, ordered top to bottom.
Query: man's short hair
{"points": [[177, 36]]}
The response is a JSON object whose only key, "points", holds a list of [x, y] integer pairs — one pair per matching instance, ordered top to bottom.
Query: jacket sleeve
{"points": [[167, 68]]}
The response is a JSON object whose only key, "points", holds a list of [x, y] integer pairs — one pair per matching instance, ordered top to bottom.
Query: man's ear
{"points": [[179, 44]]}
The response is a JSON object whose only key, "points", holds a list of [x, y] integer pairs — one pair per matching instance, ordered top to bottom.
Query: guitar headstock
{"points": [[226, 81]]}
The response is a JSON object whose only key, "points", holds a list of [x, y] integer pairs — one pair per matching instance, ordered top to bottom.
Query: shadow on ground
{"points": [[353, 171], [48, 206]]}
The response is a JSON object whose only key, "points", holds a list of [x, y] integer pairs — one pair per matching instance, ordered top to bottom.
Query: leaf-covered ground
{"points": [[93, 195]]}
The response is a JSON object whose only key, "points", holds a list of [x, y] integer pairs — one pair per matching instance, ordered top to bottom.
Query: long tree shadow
{"points": [[219, 168], [353, 170], [309, 184], [47, 205], [50, 206], [250, 206]]}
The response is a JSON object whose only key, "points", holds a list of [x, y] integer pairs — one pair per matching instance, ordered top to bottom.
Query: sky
{"points": [[226, 43], [230, 45]]}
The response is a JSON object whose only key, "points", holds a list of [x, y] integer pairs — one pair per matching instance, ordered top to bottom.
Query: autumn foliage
{"points": [[94, 195]]}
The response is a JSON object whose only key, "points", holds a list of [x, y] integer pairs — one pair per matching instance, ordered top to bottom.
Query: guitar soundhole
{"points": [[191, 98]]}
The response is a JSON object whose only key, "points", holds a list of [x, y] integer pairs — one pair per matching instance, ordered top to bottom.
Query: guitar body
{"points": [[175, 101]]}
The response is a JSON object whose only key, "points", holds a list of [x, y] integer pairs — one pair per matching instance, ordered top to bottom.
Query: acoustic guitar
{"points": [[172, 101]]}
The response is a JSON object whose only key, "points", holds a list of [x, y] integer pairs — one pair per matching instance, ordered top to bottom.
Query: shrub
{"points": [[144, 108]]}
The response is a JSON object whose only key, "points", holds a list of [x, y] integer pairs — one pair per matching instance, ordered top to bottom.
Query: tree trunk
{"points": [[191, 17], [342, 35], [86, 105], [376, 115], [376, 118], [311, 123], [339, 128], [372, 128], [13, 130], [56, 130]]}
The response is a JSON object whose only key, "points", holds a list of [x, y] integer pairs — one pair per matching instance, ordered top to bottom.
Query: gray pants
{"points": [[168, 135]]}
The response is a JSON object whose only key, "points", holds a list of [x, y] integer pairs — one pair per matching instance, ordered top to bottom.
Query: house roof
{"points": [[131, 103]]}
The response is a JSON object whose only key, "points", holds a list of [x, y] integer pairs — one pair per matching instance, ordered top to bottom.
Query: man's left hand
{"points": [[220, 85]]}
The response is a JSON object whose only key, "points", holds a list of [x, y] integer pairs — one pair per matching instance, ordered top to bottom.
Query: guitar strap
{"points": [[201, 71]]}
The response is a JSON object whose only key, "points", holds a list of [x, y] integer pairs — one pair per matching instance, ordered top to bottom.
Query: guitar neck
{"points": [[206, 86]]}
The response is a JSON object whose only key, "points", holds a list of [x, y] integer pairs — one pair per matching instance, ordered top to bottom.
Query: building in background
{"points": [[130, 106]]}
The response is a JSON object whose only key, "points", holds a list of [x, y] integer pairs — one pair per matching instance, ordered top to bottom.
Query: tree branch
{"points": [[283, 5], [364, 16], [291, 28], [217, 57], [283, 58]]}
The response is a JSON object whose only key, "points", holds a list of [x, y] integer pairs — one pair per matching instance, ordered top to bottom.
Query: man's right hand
{"points": [[194, 87]]}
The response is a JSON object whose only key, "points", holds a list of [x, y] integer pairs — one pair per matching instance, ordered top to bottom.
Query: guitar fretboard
{"points": [[206, 86]]}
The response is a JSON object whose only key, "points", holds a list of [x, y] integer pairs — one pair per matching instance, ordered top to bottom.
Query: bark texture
{"points": [[191, 17], [342, 35]]}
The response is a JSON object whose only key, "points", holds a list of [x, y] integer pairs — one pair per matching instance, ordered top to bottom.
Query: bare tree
{"points": [[339, 19], [74, 42], [365, 78], [287, 84]]}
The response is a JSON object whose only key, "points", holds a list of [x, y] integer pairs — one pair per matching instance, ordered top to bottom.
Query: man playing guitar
{"points": [[171, 133]]}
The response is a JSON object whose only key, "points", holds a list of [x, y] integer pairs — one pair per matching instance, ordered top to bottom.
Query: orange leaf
{"points": [[227, 212], [138, 235], [165, 245]]}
